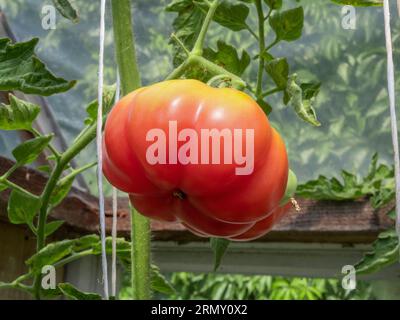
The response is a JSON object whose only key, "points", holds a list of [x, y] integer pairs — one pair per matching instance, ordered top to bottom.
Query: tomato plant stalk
{"points": [[261, 42], [130, 80], [61, 164]]}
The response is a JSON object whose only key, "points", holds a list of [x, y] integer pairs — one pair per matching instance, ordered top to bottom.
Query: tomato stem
{"points": [[180, 43], [261, 44], [125, 45], [198, 46], [195, 61], [179, 71], [130, 80], [82, 141], [140, 256]]}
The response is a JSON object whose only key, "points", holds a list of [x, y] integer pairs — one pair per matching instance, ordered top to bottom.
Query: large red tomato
{"points": [[154, 150]]}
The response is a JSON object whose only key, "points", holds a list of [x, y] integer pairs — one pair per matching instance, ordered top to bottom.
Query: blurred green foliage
{"points": [[243, 287]]}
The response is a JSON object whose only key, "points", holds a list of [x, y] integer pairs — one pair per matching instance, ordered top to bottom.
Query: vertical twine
{"points": [[398, 7], [392, 106], [100, 151], [114, 219]]}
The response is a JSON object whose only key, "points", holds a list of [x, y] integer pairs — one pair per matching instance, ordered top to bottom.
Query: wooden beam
{"points": [[345, 222]]}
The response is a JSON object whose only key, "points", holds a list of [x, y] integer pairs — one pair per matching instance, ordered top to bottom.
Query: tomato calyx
{"points": [[179, 194]]}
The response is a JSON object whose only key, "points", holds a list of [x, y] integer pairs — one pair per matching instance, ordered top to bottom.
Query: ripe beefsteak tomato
{"points": [[206, 157]]}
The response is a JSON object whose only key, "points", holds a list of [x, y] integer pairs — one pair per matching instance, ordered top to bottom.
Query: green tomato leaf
{"points": [[360, 3], [274, 4], [67, 10], [228, 15], [232, 16], [186, 25], [288, 25], [227, 57], [21, 70], [278, 70], [310, 90], [301, 99], [108, 102], [267, 108], [19, 115], [29, 150], [44, 168], [378, 185], [62, 188], [331, 189], [61, 191], [383, 196], [22, 208], [52, 227], [85, 242], [123, 246], [219, 247], [123, 250], [54, 252], [385, 252], [50, 254], [159, 283], [73, 293], [49, 294]]}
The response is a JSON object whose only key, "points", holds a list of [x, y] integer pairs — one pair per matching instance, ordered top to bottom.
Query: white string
{"points": [[398, 7], [392, 105], [100, 151], [114, 220]]}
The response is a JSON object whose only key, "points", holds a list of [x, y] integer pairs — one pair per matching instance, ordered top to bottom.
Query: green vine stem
{"points": [[261, 44], [125, 45], [198, 46], [195, 61], [219, 78], [130, 80], [269, 92], [64, 160], [9, 171], [16, 187], [140, 256], [16, 284]]}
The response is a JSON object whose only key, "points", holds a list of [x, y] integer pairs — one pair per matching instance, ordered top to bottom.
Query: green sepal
{"points": [[291, 187]]}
